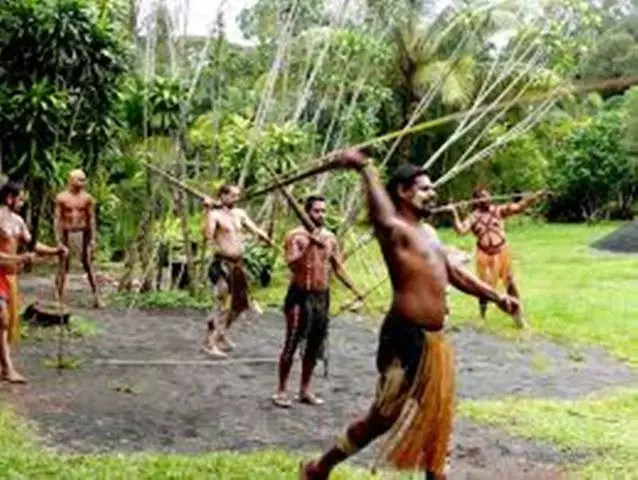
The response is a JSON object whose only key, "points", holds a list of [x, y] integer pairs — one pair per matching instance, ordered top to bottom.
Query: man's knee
{"points": [[363, 431]]}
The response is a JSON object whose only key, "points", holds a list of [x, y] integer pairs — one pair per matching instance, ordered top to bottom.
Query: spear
{"points": [[175, 181], [463, 203]]}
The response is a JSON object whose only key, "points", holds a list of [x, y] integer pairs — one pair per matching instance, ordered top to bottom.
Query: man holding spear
{"points": [[486, 222], [223, 227], [312, 254], [415, 392]]}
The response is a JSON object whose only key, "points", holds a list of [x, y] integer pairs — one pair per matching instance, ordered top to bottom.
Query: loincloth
{"points": [[77, 241], [493, 266], [231, 271], [9, 295], [312, 328], [416, 391]]}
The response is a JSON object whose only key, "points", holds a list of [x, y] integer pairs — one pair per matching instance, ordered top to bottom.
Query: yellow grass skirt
{"points": [[13, 306], [419, 438]]}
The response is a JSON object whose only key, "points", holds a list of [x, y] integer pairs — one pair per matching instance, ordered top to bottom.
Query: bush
{"points": [[591, 171]]}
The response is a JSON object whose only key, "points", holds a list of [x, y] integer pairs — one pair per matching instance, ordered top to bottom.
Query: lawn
{"points": [[604, 424], [21, 457]]}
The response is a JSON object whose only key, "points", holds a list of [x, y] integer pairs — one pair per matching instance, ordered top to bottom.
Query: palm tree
{"points": [[438, 57]]}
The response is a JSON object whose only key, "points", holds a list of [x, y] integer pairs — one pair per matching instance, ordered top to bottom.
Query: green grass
{"points": [[570, 292], [604, 425], [22, 457]]}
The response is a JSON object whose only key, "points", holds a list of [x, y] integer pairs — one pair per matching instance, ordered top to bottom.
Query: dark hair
{"points": [[403, 176], [226, 188], [9, 189], [310, 201]]}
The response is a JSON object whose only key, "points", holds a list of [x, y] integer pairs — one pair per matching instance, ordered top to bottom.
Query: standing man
{"points": [[486, 222], [223, 226], [75, 227], [13, 232], [312, 256], [415, 393]]}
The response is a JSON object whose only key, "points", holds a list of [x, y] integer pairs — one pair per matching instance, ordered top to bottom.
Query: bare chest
{"points": [[74, 205], [229, 223], [484, 223], [421, 252]]}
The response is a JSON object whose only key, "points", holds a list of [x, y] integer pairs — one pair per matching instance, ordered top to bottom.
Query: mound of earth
{"points": [[623, 240]]}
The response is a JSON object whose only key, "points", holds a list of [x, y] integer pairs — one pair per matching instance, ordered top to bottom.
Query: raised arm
{"points": [[519, 207], [381, 209], [210, 225], [462, 227]]}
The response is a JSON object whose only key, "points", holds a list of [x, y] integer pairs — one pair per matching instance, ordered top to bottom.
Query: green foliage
{"points": [[59, 93], [153, 107], [239, 147], [590, 169]]}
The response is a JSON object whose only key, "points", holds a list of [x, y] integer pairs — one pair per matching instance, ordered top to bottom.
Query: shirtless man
{"points": [[486, 222], [74, 225], [223, 226], [13, 232], [311, 262], [415, 393]]}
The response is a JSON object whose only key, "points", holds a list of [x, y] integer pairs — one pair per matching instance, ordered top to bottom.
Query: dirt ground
{"points": [[101, 407]]}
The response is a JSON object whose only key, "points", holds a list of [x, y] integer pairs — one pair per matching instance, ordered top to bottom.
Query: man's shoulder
{"points": [[62, 196], [15, 217], [297, 231]]}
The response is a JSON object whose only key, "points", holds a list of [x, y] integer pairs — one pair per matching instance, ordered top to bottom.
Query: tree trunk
{"points": [[183, 212], [147, 242], [132, 255]]}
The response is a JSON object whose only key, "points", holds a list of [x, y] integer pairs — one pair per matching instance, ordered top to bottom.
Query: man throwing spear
{"points": [[486, 222], [223, 226], [75, 227], [13, 232], [312, 254], [415, 393]]}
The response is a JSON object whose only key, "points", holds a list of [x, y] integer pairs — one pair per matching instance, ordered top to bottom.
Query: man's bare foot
{"points": [[214, 351], [13, 377], [281, 399], [310, 399]]}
